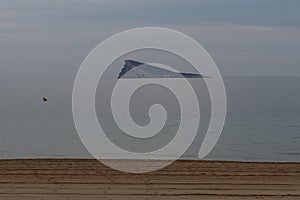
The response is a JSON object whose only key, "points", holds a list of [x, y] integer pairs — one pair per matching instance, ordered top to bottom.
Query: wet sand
{"points": [[89, 179]]}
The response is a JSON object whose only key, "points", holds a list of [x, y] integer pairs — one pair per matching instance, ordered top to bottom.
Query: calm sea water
{"points": [[263, 121]]}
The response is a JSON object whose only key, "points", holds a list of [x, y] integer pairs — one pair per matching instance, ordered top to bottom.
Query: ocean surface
{"points": [[262, 123]]}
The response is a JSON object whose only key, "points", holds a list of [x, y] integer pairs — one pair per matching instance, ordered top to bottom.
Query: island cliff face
{"points": [[135, 69]]}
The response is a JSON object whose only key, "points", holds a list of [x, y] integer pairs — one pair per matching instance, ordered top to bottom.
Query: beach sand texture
{"points": [[89, 179]]}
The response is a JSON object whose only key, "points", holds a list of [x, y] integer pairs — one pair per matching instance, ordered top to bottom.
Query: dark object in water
{"points": [[135, 69], [45, 99]]}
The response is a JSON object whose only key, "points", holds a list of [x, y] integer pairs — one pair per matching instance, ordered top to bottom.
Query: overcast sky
{"points": [[50, 39]]}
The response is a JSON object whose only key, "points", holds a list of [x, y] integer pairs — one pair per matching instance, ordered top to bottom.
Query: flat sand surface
{"points": [[88, 179]]}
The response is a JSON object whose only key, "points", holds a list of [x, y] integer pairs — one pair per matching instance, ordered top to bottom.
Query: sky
{"points": [[48, 39]]}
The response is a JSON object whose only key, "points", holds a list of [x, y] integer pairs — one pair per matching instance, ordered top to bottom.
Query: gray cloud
{"points": [[51, 38]]}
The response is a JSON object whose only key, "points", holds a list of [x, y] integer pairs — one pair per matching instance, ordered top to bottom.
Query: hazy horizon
{"points": [[255, 45]]}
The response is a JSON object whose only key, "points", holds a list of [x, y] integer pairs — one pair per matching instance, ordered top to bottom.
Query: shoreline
{"points": [[121, 159], [184, 179]]}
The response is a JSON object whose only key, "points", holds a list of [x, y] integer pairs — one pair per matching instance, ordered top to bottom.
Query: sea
{"points": [[262, 121]]}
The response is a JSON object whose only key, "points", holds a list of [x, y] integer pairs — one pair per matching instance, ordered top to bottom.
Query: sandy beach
{"points": [[89, 179]]}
